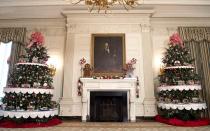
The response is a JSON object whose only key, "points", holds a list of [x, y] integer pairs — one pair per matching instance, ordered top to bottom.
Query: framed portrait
{"points": [[108, 54]]}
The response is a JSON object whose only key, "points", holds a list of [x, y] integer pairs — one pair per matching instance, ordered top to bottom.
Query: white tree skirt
{"points": [[39, 64], [178, 67], [179, 87], [28, 90], [181, 106], [27, 114]]}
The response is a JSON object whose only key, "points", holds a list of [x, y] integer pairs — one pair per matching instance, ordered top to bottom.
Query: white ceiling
{"points": [[18, 9]]}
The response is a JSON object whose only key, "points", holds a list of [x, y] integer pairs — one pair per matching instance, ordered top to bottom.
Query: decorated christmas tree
{"points": [[29, 91], [179, 97]]}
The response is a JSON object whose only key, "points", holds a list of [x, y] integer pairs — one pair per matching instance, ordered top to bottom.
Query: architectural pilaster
{"points": [[66, 99], [149, 100], [84, 105], [132, 105]]}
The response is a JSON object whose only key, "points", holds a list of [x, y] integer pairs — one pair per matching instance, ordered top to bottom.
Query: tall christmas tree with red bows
{"points": [[29, 92], [179, 97]]}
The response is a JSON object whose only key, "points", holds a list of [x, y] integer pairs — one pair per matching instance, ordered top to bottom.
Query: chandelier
{"points": [[106, 4]]}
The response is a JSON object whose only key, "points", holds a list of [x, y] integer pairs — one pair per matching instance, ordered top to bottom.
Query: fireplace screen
{"points": [[108, 106]]}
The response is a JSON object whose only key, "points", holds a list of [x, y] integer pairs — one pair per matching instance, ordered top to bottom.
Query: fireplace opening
{"points": [[108, 106]]}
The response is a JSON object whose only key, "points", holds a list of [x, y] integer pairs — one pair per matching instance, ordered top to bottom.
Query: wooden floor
{"points": [[108, 126]]}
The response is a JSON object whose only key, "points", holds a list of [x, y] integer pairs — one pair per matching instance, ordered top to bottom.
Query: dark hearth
{"points": [[108, 106]]}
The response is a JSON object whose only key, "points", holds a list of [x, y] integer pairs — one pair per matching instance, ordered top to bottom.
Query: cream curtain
{"points": [[17, 36], [197, 39]]}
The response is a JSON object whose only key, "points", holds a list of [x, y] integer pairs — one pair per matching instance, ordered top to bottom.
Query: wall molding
{"points": [[177, 2], [4, 3], [55, 11], [116, 17], [174, 22], [52, 23], [99, 28]]}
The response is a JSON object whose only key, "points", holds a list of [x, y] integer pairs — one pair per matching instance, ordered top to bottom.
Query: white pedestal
{"points": [[90, 84]]}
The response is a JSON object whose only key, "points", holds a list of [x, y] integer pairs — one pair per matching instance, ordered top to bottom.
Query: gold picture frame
{"points": [[108, 54]]}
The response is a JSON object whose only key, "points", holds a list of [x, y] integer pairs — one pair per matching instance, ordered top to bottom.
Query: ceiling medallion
{"points": [[106, 4]]}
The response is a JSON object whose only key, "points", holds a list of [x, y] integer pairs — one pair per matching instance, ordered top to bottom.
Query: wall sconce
{"points": [[54, 63], [158, 65], [52, 69], [161, 70]]}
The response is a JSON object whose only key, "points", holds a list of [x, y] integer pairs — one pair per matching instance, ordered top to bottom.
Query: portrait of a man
{"points": [[108, 53]]}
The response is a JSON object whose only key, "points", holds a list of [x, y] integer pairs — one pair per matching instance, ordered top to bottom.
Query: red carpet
{"points": [[178, 122], [12, 124]]}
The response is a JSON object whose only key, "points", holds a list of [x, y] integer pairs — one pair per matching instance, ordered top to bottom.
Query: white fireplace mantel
{"points": [[127, 84]]}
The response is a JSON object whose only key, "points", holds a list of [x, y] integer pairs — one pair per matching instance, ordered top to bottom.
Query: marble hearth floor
{"points": [[108, 126]]}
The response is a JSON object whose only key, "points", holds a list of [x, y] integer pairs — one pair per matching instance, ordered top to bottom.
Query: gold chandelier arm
{"points": [[120, 1], [77, 2], [136, 2], [123, 3], [131, 6], [99, 8], [91, 9], [105, 10]]}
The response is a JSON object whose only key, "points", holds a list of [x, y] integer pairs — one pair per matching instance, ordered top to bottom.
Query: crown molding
{"points": [[176, 2], [6, 3], [56, 11], [142, 11], [181, 11], [31, 12], [116, 17], [175, 22], [48, 23]]}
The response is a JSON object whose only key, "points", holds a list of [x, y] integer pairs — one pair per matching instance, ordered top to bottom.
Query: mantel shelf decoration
{"points": [[129, 68], [86, 70], [86, 73]]}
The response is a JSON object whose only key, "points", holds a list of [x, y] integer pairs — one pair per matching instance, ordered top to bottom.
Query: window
{"points": [[5, 51]]}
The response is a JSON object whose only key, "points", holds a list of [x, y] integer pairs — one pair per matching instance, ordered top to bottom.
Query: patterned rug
{"points": [[108, 126]]}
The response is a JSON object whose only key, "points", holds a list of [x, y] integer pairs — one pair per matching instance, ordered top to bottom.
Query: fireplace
{"points": [[108, 95], [108, 106]]}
